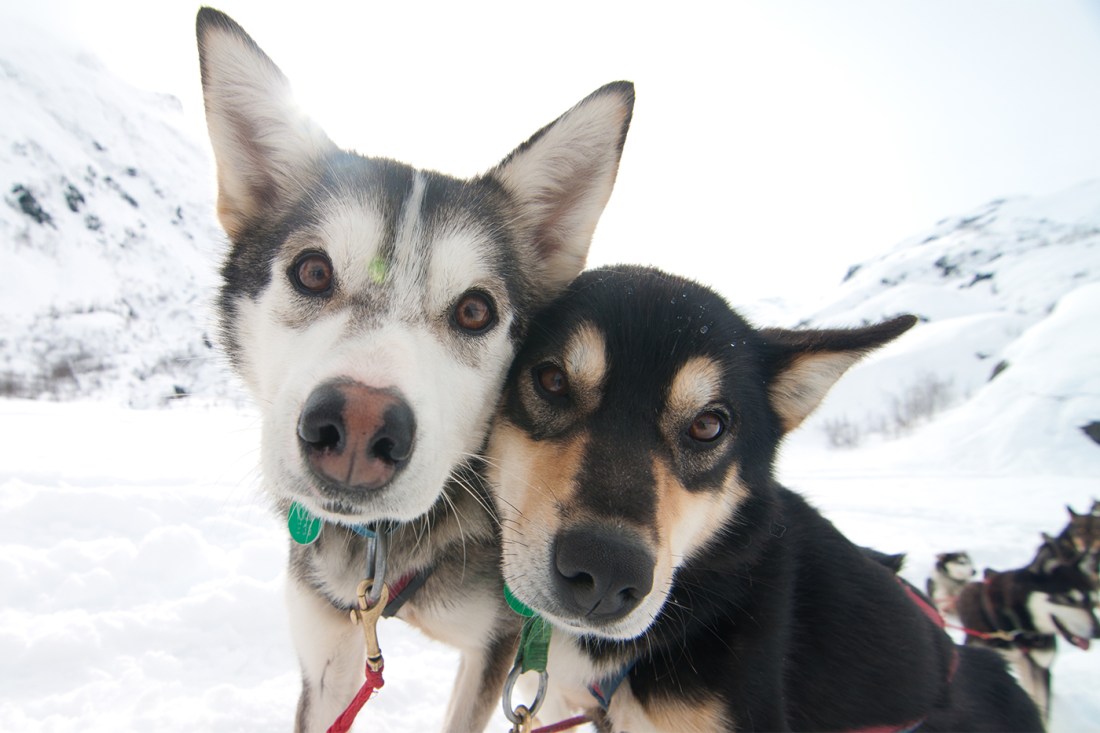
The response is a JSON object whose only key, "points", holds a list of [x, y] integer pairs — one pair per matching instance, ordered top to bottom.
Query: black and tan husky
{"points": [[372, 310], [632, 464]]}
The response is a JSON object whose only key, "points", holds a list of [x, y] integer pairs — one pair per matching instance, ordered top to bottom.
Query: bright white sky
{"points": [[774, 143]]}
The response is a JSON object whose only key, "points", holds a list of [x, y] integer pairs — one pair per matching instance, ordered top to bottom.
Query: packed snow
{"points": [[141, 572]]}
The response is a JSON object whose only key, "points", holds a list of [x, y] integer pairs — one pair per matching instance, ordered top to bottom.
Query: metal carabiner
{"points": [[367, 615], [522, 715], [524, 722]]}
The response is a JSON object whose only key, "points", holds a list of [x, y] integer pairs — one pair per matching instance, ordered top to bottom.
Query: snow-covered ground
{"points": [[141, 573]]}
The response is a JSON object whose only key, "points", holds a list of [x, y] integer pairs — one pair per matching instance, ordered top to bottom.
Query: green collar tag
{"points": [[304, 527], [534, 639], [534, 645]]}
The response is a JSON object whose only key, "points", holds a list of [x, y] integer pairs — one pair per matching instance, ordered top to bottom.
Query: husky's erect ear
{"points": [[267, 151], [562, 178], [801, 366], [1048, 556]]}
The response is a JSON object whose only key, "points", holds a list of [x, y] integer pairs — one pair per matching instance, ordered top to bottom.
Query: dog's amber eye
{"points": [[311, 273], [474, 312], [551, 381], [706, 427]]}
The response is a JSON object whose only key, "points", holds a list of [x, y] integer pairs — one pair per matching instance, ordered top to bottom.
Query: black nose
{"points": [[355, 436], [601, 573]]}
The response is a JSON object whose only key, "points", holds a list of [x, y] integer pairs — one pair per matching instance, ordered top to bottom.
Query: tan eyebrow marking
{"points": [[585, 364], [696, 385]]}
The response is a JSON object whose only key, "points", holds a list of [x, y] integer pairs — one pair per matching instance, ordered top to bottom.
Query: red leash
{"points": [[366, 616], [1001, 635], [374, 682], [563, 725]]}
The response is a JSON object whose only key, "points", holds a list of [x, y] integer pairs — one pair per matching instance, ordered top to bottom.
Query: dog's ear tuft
{"points": [[267, 151], [562, 178], [802, 366]]}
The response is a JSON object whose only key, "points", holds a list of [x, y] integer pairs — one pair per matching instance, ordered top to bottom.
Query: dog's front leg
{"points": [[331, 653], [478, 686]]}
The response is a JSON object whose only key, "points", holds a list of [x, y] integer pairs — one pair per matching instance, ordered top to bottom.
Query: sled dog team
{"points": [[452, 408], [1021, 613]]}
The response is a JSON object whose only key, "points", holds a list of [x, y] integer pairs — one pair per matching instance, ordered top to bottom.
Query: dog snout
{"points": [[355, 436], [600, 573]]}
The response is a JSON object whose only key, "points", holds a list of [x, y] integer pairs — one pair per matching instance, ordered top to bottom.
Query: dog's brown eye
{"points": [[311, 273], [474, 312], [551, 381], [706, 427]]}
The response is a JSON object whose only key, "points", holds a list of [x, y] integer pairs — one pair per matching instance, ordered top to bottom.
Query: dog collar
{"points": [[404, 589], [603, 688]]}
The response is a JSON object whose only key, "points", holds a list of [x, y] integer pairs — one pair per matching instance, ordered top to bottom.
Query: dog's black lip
{"points": [[325, 490], [342, 502], [341, 508], [583, 626], [1078, 641]]}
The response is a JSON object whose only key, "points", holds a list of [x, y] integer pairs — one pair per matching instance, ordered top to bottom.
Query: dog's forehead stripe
{"points": [[408, 261]]}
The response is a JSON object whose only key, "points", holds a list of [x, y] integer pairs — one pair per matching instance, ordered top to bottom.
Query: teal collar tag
{"points": [[304, 527]]}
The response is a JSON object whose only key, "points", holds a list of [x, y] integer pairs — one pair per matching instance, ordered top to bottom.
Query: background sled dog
{"points": [[372, 310], [632, 464], [1078, 543], [951, 573], [1021, 613]]}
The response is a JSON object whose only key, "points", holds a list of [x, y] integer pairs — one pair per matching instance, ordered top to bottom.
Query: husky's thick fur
{"points": [[372, 310], [632, 464], [1021, 613]]}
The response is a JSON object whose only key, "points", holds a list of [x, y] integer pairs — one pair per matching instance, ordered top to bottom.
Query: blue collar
{"points": [[603, 688]]}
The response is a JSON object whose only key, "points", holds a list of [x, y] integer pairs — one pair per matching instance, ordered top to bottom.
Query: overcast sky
{"points": [[774, 143]]}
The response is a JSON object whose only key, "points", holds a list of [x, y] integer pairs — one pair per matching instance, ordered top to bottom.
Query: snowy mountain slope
{"points": [[107, 236], [1001, 372]]}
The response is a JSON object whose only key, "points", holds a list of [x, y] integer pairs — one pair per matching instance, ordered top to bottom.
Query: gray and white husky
{"points": [[372, 310], [951, 573]]}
